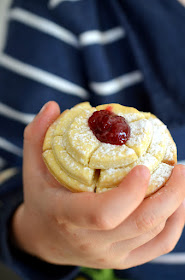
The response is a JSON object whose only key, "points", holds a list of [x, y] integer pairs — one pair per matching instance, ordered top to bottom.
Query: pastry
{"points": [[93, 149]]}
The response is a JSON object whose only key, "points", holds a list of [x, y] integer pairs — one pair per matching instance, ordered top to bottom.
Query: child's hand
{"points": [[182, 1], [116, 229]]}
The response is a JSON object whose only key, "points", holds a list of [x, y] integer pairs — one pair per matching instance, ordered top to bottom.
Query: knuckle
{"points": [[177, 195], [102, 221], [145, 223], [63, 227], [156, 230], [86, 247], [167, 247], [94, 251], [102, 261], [106, 261], [120, 264], [106, 265]]}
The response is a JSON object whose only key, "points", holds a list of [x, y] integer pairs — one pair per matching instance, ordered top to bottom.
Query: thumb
{"points": [[34, 135], [106, 210]]}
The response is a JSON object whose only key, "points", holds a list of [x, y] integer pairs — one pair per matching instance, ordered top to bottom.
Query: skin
{"points": [[182, 1], [116, 229]]}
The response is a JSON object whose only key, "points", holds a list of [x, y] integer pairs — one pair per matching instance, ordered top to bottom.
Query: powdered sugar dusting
{"points": [[132, 117], [138, 131], [141, 134], [81, 142], [158, 144], [171, 151], [77, 153], [107, 156], [148, 160], [68, 164], [61, 175], [113, 176], [160, 176], [102, 190]]}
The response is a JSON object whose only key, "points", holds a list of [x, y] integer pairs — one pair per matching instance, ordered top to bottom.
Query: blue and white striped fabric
{"points": [[124, 51]]}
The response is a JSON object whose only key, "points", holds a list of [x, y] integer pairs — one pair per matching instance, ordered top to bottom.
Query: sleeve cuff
{"points": [[25, 265]]}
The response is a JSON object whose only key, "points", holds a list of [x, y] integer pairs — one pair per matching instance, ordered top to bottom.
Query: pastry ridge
{"points": [[80, 162]]}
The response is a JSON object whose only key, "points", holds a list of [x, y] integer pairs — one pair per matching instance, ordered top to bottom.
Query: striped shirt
{"points": [[124, 51]]}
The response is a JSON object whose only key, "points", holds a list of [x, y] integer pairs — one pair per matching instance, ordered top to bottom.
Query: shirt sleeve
{"points": [[22, 95], [25, 265]]}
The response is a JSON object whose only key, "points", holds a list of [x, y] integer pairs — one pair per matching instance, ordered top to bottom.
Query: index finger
{"points": [[107, 210], [154, 210]]}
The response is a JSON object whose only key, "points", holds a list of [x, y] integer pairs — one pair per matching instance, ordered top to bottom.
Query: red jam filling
{"points": [[109, 127]]}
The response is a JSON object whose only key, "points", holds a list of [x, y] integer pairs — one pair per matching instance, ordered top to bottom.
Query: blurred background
{"points": [[3, 6], [5, 274]]}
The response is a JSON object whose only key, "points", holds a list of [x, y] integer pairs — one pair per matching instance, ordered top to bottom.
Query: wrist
{"points": [[21, 236]]}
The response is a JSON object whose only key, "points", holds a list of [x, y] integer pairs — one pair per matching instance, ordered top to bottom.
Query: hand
{"points": [[116, 229]]}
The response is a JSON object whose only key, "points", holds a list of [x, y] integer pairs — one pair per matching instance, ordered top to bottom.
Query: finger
{"points": [[34, 135], [105, 210], [154, 210], [161, 244], [117, 249]]}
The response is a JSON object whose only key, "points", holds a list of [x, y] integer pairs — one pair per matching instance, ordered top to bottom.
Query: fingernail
{"points": [[43, 108], [142, 171]]}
